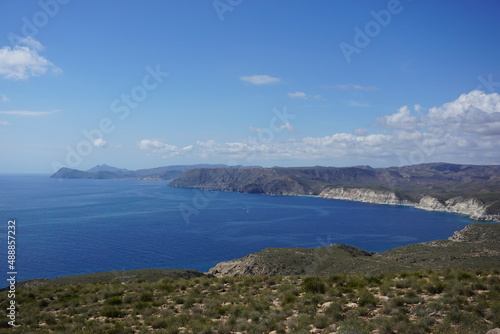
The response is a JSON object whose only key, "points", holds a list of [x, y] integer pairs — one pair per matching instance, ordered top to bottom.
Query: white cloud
{"points": [[31, 43], [23, 61], [262, 79], [355, 87], [298, 95], [302, 95], [4, 98], [28, 113], [472, 113], [400, 120], [4, 123], [286, 126], [466, 130], [359, 132], [99, 142], [156, 146], [159, 147]]}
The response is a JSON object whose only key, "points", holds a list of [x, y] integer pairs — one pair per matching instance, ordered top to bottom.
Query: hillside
{"points": [[468, 189], [475, 247], [338, 289], [449, 301]]}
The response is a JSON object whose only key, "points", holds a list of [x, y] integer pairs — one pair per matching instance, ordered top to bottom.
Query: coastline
{"points": [[399, 202], [469, 207]]}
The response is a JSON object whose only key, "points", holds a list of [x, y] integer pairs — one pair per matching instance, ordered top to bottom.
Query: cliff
{"points": [[465, 189], [364, 195], [472, 207], [475, 247]]}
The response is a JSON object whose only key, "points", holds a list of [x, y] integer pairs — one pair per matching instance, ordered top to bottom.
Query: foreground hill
{"points": [[468, 189], [475, 247], [391, 293], [448, 301]]}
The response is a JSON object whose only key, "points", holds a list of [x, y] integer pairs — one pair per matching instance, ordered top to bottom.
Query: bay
{"points": [[68, 227]]}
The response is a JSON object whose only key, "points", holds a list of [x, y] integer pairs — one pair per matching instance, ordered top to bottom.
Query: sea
{"points": [[77, 226]]}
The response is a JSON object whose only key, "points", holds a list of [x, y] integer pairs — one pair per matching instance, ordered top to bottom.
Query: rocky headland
{"points": [[109, 172], [471, 190], [477, 246]]}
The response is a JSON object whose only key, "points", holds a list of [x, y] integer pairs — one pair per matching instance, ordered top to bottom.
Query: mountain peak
{"points": [[105, 168]]}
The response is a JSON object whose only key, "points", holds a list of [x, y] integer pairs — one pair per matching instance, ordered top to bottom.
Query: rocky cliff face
{"points": [[363, 195], [430, 203], [469, 206], [473, 207], [477, 233], [250, 265]]}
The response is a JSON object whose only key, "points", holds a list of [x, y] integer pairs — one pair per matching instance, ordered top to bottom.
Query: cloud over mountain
{"points": [[464, 130]]}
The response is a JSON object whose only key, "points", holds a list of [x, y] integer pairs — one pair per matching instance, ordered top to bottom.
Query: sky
{"points": [[142, 84]]}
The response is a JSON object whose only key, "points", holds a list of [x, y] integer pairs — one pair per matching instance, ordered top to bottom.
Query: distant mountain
{"points": [[105, 168], [109, 172], [468, 189]]}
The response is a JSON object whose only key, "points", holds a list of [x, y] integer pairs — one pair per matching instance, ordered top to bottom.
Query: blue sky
{"points": [[289, 83]]}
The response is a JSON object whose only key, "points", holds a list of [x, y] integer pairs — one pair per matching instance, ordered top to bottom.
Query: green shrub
{"points": [[313, 285], [434, 288], [147, 296], [367, 298], [115, 300], [43, 303], [335, 311], [112, 312], [321, 321], [352, 326], [119, 328]]}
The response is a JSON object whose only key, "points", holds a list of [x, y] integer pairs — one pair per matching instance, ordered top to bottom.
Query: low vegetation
{"points": [[476, 247], [425, 301]]}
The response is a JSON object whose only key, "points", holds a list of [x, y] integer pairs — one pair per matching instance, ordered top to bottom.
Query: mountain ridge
{"points": [[105, 168], [109, 172], [473, 190]]}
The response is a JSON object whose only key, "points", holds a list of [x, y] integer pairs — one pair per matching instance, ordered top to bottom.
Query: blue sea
{"points": [[68, 227]]}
